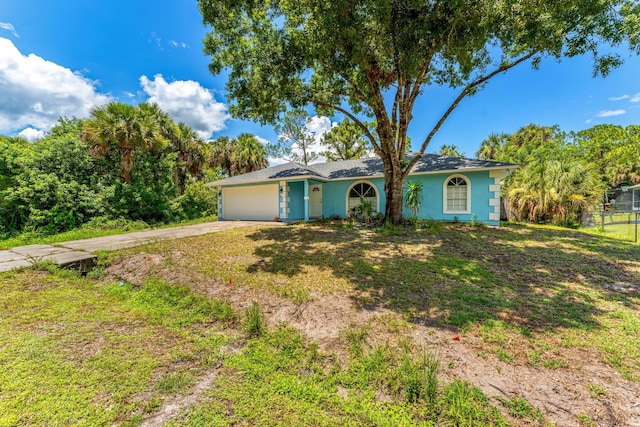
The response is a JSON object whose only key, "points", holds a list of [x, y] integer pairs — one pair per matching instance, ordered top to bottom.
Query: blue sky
{"points": [[61, 58]]}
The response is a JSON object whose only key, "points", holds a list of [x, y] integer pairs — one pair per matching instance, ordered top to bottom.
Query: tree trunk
{"points": [[127, 164], [394, 192]]}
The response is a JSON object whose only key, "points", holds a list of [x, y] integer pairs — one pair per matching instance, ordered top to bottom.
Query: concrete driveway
{"points": [[81, 251]]}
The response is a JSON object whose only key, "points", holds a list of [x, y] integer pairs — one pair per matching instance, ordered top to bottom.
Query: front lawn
{"points": [[357, 319]]}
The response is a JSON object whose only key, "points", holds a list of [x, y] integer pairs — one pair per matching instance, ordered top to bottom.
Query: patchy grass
{"points": [[528, 291], [518, 296], [73, 352], [77, 352], [278, 380]]}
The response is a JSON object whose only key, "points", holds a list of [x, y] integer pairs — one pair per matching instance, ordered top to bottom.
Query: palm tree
{"points": [[124, 128], [490, 147], [450, 151], [220, 155], [248, 155], [237, 156], [190, 161], [553, 190]]}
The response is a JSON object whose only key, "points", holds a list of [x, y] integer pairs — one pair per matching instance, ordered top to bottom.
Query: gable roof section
{"points": [[368, 167], [280, 172]]}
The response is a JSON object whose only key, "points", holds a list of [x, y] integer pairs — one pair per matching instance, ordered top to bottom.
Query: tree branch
{"points": [[400, 90], [359, 94], [455, 103], [353, 118]]}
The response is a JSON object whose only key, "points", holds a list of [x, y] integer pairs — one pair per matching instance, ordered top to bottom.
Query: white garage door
{"points": [[252, 203]]}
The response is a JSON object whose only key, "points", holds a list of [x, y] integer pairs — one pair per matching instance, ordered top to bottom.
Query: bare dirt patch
{"points": [[564, 393], [171, 408]]}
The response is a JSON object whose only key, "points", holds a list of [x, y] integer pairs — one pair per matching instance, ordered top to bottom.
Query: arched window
{"points": [[362, 191], [457, 195]]}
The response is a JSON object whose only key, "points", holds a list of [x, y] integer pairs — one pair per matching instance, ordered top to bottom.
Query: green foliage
{"points": [[372, 60], [71, 127], [126, 129], [296, 139], [345, 142], [490, 147], [450, 151], [613, 151], [231, 157], [136, 165], [560, 175], [48, 186], [556, 191], [149, 195], [413, 197], [197, 201], [254, 320], [419, 380], [175, 382], [465, 405], [520, 408]]}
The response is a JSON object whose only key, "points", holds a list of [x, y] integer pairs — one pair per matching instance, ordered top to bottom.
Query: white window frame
{"points": [[445, 194], [376, 206]]}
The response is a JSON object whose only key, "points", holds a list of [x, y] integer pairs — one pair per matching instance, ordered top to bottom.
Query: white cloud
{"points": [[7, 26], [153, 38], [178, 44], [36, 92], [619, 98], [635, 98], [186, 101], [611, 113], [317, 126], [31, 134], [262, 140], [273, 161]]}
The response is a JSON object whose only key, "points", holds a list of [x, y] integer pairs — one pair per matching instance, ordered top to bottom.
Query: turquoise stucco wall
{"points": [[334, 197], [433, 197], [296, 200]]}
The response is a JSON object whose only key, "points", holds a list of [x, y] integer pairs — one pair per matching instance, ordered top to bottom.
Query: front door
{"points": [[315, 201]]}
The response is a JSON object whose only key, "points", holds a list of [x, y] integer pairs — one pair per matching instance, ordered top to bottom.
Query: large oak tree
{"points": [[375, 58]]}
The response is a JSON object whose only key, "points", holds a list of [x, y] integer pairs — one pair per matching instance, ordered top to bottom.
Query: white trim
{"points": [[503, 169], [216, 184], [444, 194], [346, 196], [495, 202], [494, 216]]}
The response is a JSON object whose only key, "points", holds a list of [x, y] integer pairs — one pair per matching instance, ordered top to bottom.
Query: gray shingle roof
{"points": [[366, 167]]}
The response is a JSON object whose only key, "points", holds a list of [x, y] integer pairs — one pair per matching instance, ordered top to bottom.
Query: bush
{"points": [[196, 202]]}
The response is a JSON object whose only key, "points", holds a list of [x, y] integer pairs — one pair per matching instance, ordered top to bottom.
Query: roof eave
{"points": [[258, 181]]}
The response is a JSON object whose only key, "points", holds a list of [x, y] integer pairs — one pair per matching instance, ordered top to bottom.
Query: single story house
{"points": [[453, 189], [623, 198]]}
